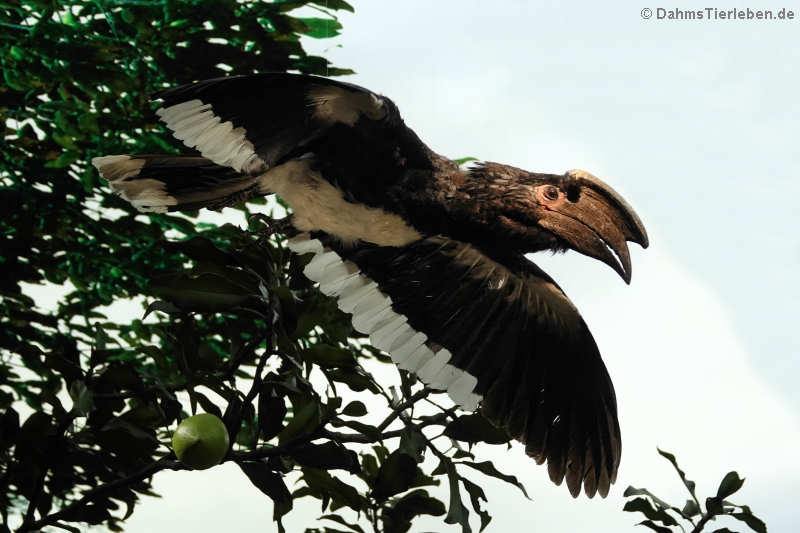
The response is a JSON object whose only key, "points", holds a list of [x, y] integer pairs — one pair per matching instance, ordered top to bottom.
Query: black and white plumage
{"points": [[427, 257]]}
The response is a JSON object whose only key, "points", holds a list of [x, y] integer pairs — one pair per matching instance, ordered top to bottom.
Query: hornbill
{"points": [[427, 257]]}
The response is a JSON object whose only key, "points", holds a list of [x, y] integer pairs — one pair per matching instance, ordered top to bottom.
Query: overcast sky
{"points": [[696, 124]]}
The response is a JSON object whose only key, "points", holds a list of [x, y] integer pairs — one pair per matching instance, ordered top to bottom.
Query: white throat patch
{"points": [[318, 205]]}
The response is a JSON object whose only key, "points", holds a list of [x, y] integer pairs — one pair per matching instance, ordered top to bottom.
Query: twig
{"points": [[240, 355], [262, 361], [402, 407], [396, 412], [449, 412], [364, 439], [37, 493], [374, 518], [701, 524], [71, 529]]}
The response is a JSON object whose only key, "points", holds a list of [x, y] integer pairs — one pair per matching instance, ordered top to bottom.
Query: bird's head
{"points": [[575, 210]]}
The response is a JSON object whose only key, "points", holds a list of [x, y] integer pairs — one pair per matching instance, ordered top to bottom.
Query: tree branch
{"points": [[260, 453], [51, 519]]}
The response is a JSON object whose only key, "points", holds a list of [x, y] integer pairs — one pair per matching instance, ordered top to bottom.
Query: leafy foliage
{"points": [[231, 326], [662, 516]]}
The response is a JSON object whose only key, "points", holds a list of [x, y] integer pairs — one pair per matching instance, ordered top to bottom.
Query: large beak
{"points": [[596, 221]]}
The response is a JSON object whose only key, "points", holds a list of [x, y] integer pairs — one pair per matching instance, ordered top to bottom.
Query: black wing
{"points": [[253, 123], [502, 334]]}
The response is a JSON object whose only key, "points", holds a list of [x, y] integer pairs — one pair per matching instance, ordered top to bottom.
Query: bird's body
{"points": [[428, 257]]}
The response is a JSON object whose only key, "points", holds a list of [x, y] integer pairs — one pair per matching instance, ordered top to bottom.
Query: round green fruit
{"points": [[201, 441]]}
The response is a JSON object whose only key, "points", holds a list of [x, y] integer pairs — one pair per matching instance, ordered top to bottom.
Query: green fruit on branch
{"points": [[201, 441]]}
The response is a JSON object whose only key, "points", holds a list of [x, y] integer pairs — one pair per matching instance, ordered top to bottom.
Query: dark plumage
{"points": [[427, 257]]}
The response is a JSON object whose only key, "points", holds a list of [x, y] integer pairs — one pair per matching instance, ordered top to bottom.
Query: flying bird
{"points": [[429, 258]]}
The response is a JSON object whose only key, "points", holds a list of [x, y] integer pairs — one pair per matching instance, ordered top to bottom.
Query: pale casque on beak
{"points": [[592, 218]]}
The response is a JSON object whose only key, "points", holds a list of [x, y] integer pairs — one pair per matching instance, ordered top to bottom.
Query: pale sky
{"points": [[695, 123]]}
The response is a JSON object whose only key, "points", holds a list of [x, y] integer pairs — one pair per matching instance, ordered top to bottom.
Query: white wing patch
{"points": [[335, 104], [195, 123], [146, 195], [388, 330]]}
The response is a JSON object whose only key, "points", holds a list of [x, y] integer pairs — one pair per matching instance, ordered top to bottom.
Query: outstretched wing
{"points": [[253, 123], [500, 334]]}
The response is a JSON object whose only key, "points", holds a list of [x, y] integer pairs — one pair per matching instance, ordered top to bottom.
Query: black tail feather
{"points": [[161, 183]]}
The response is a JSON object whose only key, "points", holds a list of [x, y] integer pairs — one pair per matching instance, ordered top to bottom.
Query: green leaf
{"points": [[334, 4], [320, 28], [16, 52], [14, 80], [62, 121], [88, 123], [66, 141], [64, 160], [464, 160], [201, 249], [206, 292], [161, 305], [328, 356], [65, 358], [355, 378], [82, 398], [355, 408], [271, 412], [302, 423], [9, 428], [474, 428], [247, 436], [30, 441], [413, 442], [133, 443], [328, 456], [489, 469], [395, 475], [270, 484], [324, 484], [730, 484], [690, 485], [476, 495], [661, 504], [643, 506], [714, 506], [690, 509], [456, 512], [91, 514], [398, 516], [339, 520], [752, 521], [659, 529], [723, 530]]}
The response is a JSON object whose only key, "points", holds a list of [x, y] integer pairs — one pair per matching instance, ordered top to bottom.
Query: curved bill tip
{"points": [[632, 227], [618, 257]]}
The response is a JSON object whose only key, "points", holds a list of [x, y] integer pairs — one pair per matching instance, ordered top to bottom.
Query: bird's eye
{"points": [[551, 192]]}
